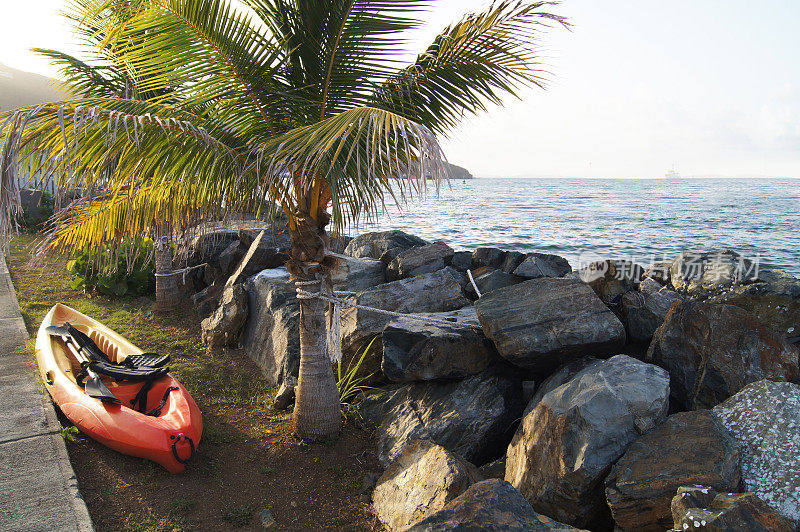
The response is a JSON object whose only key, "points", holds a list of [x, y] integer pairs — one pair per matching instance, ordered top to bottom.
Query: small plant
{"points": [[127, 271], [350, 383], [69, 433], [267, 469], [239, 516]]}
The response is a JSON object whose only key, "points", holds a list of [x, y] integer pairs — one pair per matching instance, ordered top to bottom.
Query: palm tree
{"points": [[292, 105]]}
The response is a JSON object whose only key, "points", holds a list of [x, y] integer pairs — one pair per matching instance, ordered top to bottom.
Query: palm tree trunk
{"points": [[167, 293], [317, 411]]}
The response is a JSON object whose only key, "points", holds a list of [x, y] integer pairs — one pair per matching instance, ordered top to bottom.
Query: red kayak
{"points": [[155, 417]]}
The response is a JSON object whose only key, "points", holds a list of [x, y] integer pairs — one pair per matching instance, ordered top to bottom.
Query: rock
{"points": [[338, 243], [373, 245], [230, 257], [487, 257], [419, 260], [461, 261], [511, 261], [538, 265], [659, 272], [699, 273], [355, 275], [610, 279], [492, 280], [431, 292], [206, 300], [644, 311], [543, 323], [222, 327], [271, 335], [419, 351], [713, 351], [562, 375], [528, 390], [285, 396], [472, 417], [764, 417], [567, 444], [689, 448], [496, 469], [423, 478], [693, 496], [490, 505], [728, 512], [267, 521]]}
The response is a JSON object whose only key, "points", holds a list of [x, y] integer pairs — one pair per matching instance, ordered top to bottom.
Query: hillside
{"points": [[19, 89]]}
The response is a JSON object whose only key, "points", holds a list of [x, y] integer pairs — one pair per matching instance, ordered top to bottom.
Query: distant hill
{"points": [[19, 89], [459, 172]]}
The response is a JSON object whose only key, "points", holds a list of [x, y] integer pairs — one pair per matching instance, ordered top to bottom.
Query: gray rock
{"points": [[373, 245], [487, 257], [419, 260], [461, 261], [511, 261], [538, 265], [659, 272], [703, 272], [355, 275], [610, 279], [491, 280], [431, 292], [206, 300], [644, 311], [543, 323], [222, 327], [271, 335], [419, 351], [713, 351], [562, 375], [284, 398], [471, 417], [764, 418], [567, 444], [690, 447], [495, 469], [423, 478], [692, 496], [490, 505], [727, 512], [267, 521]]}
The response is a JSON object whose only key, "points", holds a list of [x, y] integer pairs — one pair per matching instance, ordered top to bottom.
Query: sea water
{"points": [[644, 220]]}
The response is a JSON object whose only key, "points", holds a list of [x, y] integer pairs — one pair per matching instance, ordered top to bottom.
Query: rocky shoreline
{"points": [[620, 396]]}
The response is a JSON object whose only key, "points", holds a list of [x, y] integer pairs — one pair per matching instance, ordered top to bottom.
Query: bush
{"points": [[37, 208], [112, 273]]}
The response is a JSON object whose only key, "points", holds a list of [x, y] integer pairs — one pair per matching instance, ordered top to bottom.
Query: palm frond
{"points": [[83, 79]]}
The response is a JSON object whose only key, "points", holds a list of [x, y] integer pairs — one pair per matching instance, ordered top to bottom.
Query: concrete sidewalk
{"points": [[38, 488]]}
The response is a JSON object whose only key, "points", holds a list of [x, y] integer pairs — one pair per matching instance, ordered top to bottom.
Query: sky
{"points": [[711, 87]]}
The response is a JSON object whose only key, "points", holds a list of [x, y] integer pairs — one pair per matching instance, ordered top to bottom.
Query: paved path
{"points": [[38, 489]]}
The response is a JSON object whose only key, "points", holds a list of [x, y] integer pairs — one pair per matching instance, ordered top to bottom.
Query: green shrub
{"points": [[34, 216], [112, 273]]}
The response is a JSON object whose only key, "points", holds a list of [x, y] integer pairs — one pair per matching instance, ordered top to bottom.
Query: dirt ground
{"points": [[248, 459]]}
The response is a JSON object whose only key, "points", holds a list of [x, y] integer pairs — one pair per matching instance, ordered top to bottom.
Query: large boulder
{"points": [[374, 245], [487, 258], [419, 260], [537, 265], [699, 273], [354, 275], [610, 279], [491, 280], [431, 292], [645, 310], [543, 323], [222, 327], [271, 335], [420, 351], [713, 351], [562, 375], [473, 417], [764, 418], [567, 444], [689, 448], [423, 478], [490, 505], [702, 508]]}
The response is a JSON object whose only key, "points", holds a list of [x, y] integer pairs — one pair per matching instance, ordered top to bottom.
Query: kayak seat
{"points": [[146, 360]]}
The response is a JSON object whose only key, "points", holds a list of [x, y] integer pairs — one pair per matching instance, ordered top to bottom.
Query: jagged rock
{"points": [[338, 243], [373, 245], [230, 257], [487, 257], [419, 260], [461, 261], [511, 261], [538, 265], [659, 272], [699, 272], [355, 275], [610, 279], [492, 280], [431, 292], [206, 300], [645, 310], [543, 323], [222, 327], [271, 335], [419, 351], [713, 351], [562, 375], [285, 396], [471, 417], [764, 417], [569, 441], [689, 448], [495, 469], [423, 478], [692, 496], [490, 505], [727, 512]]}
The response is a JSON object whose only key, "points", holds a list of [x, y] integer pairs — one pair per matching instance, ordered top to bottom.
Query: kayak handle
{"points": [[175, 449]]}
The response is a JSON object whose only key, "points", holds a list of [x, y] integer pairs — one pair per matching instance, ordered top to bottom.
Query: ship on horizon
{"points": [[672, 174]]}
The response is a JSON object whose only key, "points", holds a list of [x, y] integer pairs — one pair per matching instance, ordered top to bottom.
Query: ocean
{"points": [[644, 220]]}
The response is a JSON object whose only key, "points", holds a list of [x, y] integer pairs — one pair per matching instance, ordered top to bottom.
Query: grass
{"points": [[239, 516]]}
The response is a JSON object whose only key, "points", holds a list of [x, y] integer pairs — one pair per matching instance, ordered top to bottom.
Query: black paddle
{"points": [[94, 387]]}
